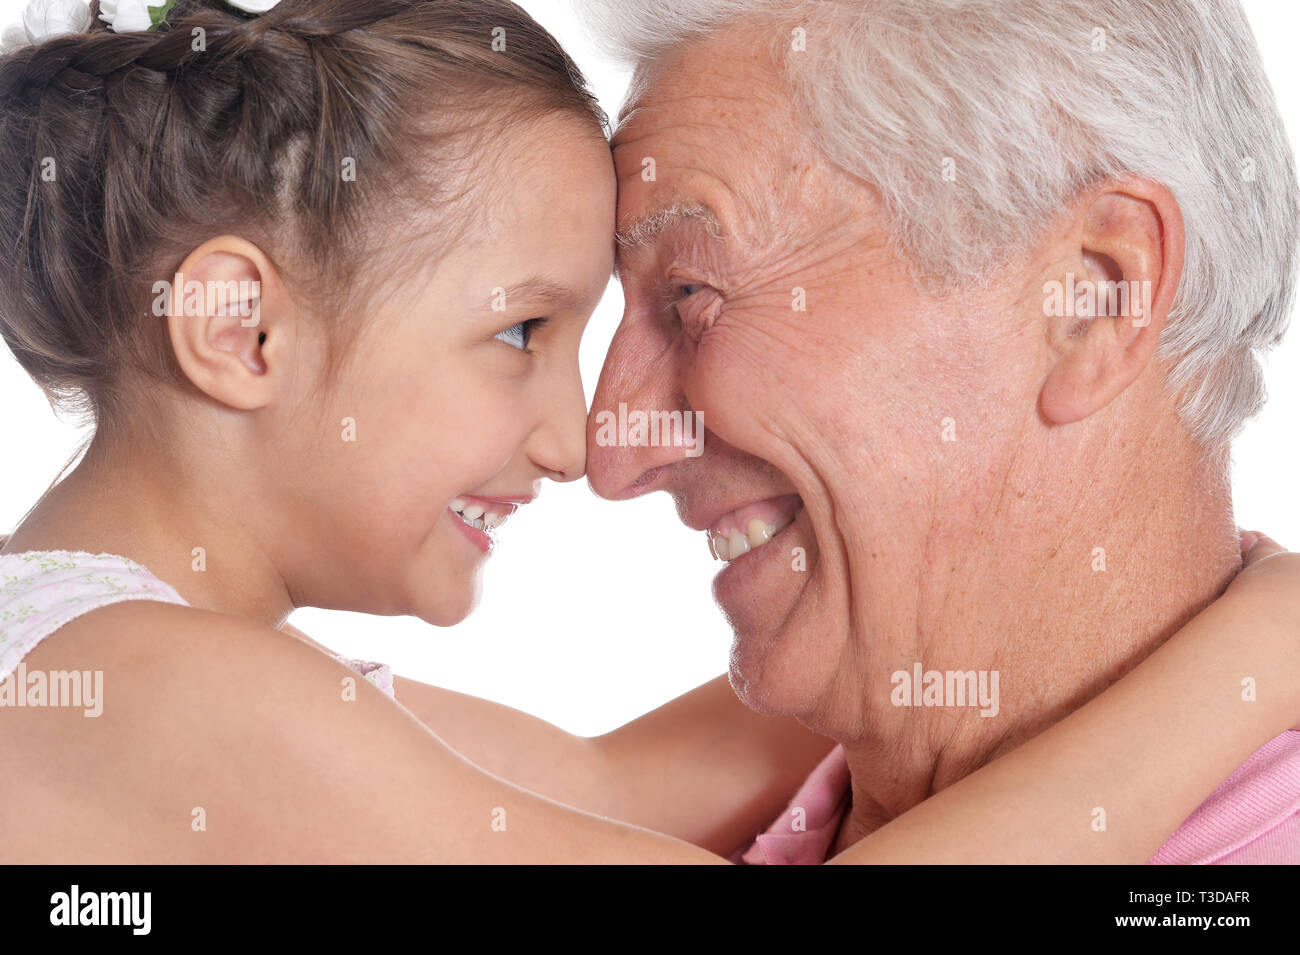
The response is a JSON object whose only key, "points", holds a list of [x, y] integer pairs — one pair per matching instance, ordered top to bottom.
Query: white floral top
{"points": [[41, 590]]}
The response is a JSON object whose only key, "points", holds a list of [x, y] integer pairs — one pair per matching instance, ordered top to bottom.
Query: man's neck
{"points": [[1157, 561]]}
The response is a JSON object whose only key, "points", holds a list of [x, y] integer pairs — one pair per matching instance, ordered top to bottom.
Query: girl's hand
{"points": [[1256, 546], [1270, 580]]}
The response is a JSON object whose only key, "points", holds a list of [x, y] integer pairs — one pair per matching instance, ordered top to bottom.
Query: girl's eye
{"points": [[518, 336]]}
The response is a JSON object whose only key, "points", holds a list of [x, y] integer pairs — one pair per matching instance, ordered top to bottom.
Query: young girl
{"points": [[319, 275]]}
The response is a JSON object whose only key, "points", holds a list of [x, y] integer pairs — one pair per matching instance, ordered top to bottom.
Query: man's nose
{"points": [[642, 374]]}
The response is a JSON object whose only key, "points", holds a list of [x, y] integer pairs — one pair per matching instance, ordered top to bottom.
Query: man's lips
{"points": [[736, 532]]}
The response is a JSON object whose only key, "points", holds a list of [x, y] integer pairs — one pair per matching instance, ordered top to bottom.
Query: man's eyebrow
{"points": [[645, 229], [537, 290]]}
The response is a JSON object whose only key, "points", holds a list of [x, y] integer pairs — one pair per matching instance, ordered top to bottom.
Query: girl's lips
{"points": [[482, 513], [478, 516], [481, 539]]}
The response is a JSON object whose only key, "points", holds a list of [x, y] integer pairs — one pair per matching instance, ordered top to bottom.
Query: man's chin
{"points": [[763, 596], [771, 673], [747, 680]]}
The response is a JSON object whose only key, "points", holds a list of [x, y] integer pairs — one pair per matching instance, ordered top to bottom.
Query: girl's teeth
{"points": [[476, 516]]}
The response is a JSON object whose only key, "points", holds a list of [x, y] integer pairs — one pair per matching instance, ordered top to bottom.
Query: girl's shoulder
{"points": [[150, 644], [147, 714], [223, 741]]}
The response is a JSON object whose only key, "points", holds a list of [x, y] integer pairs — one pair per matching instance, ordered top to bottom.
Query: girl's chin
{"points": [[443, 581], [452, 603], [446, 616]]}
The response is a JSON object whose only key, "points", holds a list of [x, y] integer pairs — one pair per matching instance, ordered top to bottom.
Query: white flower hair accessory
{"points": [[252, 6], [125, 16], [132, 16], [45, 19]]}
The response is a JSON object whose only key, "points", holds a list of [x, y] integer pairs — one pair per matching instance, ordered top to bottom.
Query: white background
{"points": [[593, 612]]}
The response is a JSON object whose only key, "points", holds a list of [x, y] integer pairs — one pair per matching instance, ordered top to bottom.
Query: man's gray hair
{"points": [[979, 120]]}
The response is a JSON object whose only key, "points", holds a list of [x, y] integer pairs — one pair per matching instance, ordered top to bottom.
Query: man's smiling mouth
{"points": [[748, 528]]}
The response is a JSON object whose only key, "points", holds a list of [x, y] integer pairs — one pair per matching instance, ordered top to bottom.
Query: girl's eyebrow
{"points": [[537, 290]]}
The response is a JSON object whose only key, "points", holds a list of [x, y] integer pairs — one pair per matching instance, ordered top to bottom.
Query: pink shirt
{"points": [[1252, 818]]}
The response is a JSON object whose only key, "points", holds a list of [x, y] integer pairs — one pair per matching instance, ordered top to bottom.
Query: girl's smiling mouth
{"points": [[480, 516]]}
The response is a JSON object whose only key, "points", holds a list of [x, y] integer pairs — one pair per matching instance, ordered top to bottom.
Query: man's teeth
{"points": [[476, 516], [729, 546]]}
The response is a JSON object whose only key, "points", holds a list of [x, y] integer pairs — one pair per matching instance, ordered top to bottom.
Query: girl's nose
{"points": [[559, 445]]}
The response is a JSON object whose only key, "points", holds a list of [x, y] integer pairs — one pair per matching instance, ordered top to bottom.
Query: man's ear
{"points": [[1125, 260], [226, 319]]}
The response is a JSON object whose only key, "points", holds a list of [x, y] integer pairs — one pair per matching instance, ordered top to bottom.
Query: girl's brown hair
{"points": [[123, 152]]}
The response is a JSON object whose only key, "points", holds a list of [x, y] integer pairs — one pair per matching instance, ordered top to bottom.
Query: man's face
{"points": [[768, 300]]}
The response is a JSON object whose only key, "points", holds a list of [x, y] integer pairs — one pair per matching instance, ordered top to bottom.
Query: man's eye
{"points": [[679, 295], [693, 300], [518, 336]]}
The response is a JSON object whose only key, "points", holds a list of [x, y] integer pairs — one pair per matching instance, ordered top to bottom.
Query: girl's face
{"points": [[462, 392]]}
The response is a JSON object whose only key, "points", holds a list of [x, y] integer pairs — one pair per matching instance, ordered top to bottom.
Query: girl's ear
{"points": [[227, 317]]}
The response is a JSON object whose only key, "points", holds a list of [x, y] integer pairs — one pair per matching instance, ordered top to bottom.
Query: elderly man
{"points": [[876, 245]]}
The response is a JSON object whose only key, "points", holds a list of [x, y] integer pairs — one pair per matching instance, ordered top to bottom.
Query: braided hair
{"points": [[120, 153]]}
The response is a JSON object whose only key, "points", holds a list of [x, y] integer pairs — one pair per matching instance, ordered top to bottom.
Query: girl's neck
{"points": [[164, 518]]}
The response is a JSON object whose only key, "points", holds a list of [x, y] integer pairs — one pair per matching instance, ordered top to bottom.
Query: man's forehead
{"points": [[706, 81], [636, 89], [696, 119], [670, 133], [697, 139]]}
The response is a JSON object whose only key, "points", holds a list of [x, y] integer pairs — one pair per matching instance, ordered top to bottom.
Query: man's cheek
{"points": [[758, 333], [739, 385]]}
